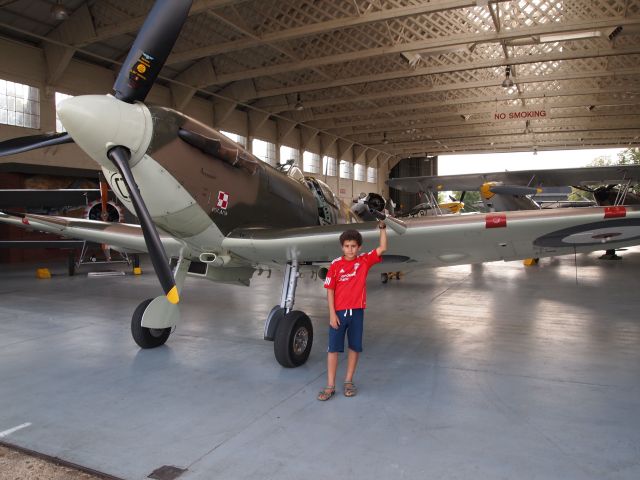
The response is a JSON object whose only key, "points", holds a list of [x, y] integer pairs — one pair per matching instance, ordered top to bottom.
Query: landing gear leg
{"points": [[153, 320], [290, 330]]}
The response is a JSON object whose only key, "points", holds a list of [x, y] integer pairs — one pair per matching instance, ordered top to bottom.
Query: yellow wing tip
{"points": [[173, 296]]}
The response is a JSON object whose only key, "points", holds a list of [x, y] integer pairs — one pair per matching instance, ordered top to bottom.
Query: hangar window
{"points": [[60, 97], [19, 104], [236, 138], [265, 151], [288, 153], [311, 162], [329, 166], [346, 169], [358, 172], [372, 175]]}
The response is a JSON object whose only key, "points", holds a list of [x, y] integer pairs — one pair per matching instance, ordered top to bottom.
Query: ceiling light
{"points": [[59, 11], [562, 37], [442, 50], [507, 82], [298, 106], [385, 140]]}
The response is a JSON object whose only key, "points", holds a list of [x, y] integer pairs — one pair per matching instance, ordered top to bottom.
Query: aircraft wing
{"points": [[548, 178], [121, 236], [454, 239]]}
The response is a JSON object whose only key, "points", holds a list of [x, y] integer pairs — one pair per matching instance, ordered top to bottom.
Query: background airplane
{"points": [[507, 191], [224, 214]]}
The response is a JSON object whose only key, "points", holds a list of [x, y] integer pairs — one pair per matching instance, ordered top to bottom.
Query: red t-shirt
{"points": [[348, 278]]}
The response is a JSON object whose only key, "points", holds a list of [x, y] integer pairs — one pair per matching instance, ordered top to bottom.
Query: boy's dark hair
{"points": [[351, 235]]}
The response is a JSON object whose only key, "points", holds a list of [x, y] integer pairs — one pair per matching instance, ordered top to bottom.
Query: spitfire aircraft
{"points": [[224, 214]]}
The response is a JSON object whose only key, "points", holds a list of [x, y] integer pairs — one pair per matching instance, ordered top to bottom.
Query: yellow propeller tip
{"points": [[173, 296]]}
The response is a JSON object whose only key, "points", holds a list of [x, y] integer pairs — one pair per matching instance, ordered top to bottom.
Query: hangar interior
{"points": [[357, 85], [483, 371]]}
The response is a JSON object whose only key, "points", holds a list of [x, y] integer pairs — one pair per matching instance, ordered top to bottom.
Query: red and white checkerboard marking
{"points": [[223, 200]]}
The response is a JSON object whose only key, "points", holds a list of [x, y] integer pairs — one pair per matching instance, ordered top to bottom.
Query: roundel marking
{"points": [[596, 233]]}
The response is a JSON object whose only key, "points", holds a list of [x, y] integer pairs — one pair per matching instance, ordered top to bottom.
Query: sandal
{"points": [[350, 389], [326, 393]]}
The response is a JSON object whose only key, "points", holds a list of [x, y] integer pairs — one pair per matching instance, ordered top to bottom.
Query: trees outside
{"points": [[630, 156]]}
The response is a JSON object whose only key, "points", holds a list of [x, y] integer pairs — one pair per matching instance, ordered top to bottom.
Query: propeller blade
{"points": [[151, 49], [24, 144], [120, 158], [464, 192]]}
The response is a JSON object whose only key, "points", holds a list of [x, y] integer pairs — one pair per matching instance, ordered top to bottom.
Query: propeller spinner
{"points": [[127, 126]]}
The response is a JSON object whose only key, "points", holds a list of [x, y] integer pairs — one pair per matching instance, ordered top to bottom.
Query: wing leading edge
{"points": [[121, 236], [456, 239]]}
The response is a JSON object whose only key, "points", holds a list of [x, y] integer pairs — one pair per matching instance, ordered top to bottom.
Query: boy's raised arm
{"points": [[383, 238]]}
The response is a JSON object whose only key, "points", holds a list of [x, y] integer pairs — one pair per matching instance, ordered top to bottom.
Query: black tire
{"points": [[384, 277], [147, 337], [293, 339]]}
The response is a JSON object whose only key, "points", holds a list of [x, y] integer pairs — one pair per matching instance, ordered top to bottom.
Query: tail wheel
{"points": [[147, 337], [293, 339]]}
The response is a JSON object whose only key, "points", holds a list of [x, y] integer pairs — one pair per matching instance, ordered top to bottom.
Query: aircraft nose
{"points": [[99, 122]]}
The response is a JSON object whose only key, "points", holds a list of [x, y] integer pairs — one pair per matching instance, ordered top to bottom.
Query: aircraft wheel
{"points": [[422, 213], [384, 277], [147, 337], [293, 339]]}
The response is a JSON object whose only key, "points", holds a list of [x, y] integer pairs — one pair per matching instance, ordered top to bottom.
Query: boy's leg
{"points": [[355, 342], [336, 346], [352, 363], [332, 368]]}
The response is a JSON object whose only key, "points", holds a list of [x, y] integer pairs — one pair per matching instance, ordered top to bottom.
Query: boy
{"points": [[347, 295]]}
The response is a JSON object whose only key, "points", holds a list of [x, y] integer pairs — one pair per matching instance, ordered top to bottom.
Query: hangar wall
{"points": [[27, 64]]}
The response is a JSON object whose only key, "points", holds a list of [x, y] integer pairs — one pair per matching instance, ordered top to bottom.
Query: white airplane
{"points": [[224, 214]]}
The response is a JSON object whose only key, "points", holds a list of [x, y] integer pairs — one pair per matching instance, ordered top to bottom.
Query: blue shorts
{"points": [[350, 323]]}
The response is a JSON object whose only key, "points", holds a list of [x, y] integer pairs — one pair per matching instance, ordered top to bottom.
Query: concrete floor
{"points": [[488, 372]]}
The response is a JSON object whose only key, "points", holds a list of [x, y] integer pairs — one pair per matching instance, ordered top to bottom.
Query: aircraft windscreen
{"points": [[295, 173], [327, 193]]}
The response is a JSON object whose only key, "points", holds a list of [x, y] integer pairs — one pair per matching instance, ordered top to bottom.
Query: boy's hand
{"points": [[334, 321]]}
